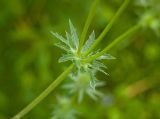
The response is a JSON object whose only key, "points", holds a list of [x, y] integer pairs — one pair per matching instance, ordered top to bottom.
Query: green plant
{"points": [[149, 17], [85, 61], [84, 73], [63, 109]]}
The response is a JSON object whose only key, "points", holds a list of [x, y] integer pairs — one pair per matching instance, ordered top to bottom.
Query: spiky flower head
{"points": [[85, 73], [81, 85], [63, 109]]}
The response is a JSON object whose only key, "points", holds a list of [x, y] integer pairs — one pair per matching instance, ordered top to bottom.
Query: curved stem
{"points": [[87, 24], [108, 27], [117, 40], [44, 94]]}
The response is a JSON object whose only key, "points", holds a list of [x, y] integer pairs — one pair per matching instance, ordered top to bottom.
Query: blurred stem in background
{"points": [[87, 24], [108, 27], [114, 42], [45, 93]]}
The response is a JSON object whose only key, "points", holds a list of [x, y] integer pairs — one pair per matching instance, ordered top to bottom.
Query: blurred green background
{"points": [[29, 60]]}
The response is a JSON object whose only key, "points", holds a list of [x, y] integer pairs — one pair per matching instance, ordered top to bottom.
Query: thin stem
{"points": [[87, 24], [108, 27], [117, 40], [44, 94]]}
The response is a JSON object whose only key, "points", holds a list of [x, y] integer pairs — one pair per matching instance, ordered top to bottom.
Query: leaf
{"points": [[74, 36], [60, 38], [69, 39], [89, 42], [63, 47], [94, 52], [106, 56], [66, 57], [99, 64], [99, 67], [101, 70], [93, 84], [100, 84], [98, 93], [91, 94], [80, 95]]}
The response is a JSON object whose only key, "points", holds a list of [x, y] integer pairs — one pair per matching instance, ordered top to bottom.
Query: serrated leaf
{"points": [[74, 36], [60, 38], [69, 39], [89, 42], [63, 47], [94, 52], [106, 56], [66, 57], [99, 64], [99, 67], [101, 70], [93, 84], [100, 84], [98, 93], [80, 95], [91, 95]]}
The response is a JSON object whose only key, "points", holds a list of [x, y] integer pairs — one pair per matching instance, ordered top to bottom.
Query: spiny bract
{"points": [[70, 45], [80, 86], [63, 109]]}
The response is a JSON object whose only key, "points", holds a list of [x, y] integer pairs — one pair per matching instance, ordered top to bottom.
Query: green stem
{"points": [[87, 24], [108, 27], [117, 40], [44, 94]]}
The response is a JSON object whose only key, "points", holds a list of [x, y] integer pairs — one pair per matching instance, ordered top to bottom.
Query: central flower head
{"points": [[84, 77]]}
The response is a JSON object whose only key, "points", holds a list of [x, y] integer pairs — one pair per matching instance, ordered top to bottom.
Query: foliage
{"points": [[28, 60]]}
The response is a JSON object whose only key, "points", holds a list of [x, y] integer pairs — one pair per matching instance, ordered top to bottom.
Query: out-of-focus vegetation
{"points": [[29, 61]]}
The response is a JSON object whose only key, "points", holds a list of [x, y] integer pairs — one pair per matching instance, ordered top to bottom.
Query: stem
{"points": [[87, 24], [108, 27], [117, 40], [44, 94]]}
